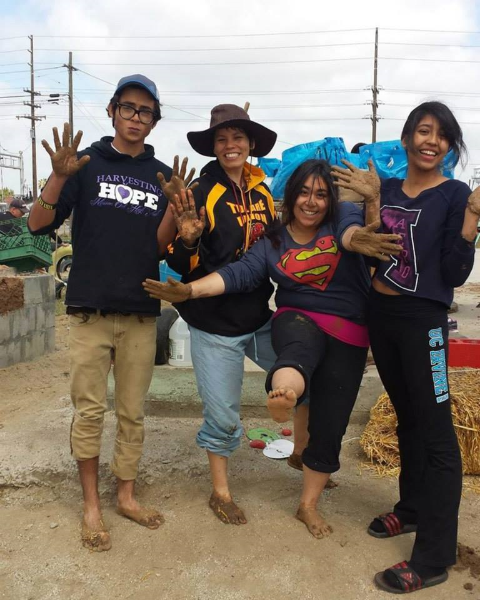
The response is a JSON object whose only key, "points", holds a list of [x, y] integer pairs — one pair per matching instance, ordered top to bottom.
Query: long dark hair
{"points": [[448, 122], [320, 169]]}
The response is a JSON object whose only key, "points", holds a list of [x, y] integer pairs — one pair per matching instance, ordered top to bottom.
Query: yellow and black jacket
{"points": [[235, 220]]}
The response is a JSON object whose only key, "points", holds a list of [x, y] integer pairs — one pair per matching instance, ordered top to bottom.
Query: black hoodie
{"points": [[117, 207], [222, 242]]}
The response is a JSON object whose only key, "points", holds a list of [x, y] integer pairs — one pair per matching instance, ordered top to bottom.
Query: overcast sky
{"points": [[305, 67]]}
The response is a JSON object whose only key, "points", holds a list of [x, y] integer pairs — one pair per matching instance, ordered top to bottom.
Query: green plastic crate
{"points": [[22, 250]]}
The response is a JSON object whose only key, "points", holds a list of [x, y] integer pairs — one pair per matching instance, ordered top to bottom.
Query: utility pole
{"points": [[71, 69], [375, 90], [33, 118]]}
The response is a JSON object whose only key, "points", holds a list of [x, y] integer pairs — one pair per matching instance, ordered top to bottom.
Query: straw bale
{"points": [[379, 439]]}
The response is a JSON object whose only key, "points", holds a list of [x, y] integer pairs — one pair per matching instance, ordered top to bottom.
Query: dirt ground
{"points": [[192, 556]]}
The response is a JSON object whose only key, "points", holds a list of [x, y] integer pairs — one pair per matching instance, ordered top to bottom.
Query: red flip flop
{"points": [[393, 526], [407, 578]]}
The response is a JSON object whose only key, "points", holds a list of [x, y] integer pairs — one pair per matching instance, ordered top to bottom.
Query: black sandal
{"points": [[392, 525], [408, 579]]}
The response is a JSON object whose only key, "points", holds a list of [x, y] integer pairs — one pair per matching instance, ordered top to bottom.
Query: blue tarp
{"points": [[389, 158], [269, 166]]}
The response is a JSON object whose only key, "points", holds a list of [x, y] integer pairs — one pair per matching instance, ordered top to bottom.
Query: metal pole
{"points": [[375, 90], [70, 95], [32, 117], [22, 175]]}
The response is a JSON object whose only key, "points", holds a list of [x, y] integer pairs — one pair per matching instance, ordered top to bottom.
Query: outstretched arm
{"points": [[64, 164], [365, 183], [175, 291]]}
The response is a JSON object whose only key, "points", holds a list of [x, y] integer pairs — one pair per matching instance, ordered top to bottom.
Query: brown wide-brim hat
{"points": [[230, 115]]}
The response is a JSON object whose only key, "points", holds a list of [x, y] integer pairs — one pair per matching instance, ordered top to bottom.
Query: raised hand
{"points": [[64, 158], [177, 182], [365, 183], [473, 203], [190, 225], [364, 240], [172, 290]]}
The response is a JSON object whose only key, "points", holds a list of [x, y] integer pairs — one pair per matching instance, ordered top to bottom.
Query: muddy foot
{"points": [[280, 403], [227, 511], [147, 517], [315, 523], [96, 538]]}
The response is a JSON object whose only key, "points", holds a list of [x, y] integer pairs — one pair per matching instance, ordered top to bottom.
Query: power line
{"points": [[427, 30], [222, 35], [430, 45], [229, 49], [442, 60], [216, 64], [28, 71], [94, 76], [444, 93], [452, 107], [460, 122]]}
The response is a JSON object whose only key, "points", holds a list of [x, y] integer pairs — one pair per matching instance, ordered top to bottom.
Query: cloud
{"points": [[318, 88]]}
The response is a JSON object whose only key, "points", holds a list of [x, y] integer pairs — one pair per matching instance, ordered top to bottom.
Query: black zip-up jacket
{"points": [[117, 206], [227, 235]]}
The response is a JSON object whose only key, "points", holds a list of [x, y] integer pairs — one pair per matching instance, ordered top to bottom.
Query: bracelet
{"points": [[46, 205], [190, 247]]}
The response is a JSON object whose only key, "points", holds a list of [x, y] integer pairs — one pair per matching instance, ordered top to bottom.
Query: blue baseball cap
{"points": [[142, 81]]}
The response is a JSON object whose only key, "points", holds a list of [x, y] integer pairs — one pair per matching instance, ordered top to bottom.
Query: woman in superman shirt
{"points": [[318, 331]]}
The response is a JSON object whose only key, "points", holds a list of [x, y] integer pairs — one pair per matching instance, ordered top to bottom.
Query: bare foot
{"points": [[280, 403], [226, 510], [148, 517], [315, 523], [95, 535]]}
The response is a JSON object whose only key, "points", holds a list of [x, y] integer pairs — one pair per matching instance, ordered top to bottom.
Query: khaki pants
{"points": [[94, 339]]}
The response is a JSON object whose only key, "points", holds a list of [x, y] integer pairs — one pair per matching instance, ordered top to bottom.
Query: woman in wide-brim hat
{"points": [[233, 207]]}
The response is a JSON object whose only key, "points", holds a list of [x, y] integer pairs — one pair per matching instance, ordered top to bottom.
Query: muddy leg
{"points": [[313, 485], [221, 501], [94, 533]]}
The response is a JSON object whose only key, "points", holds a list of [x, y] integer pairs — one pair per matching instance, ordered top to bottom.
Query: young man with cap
{"points": [[234, 208], [120, 230]]}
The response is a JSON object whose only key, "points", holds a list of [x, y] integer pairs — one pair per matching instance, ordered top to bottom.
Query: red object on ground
{"points": [[464, 353], [286, 432], [259, 444]]}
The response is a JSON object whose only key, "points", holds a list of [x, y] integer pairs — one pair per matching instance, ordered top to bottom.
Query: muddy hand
{"points": [[64, 158], [177, 182], [365, 183], [473, 203], [190, 225], [364, 240], [172, 290]]}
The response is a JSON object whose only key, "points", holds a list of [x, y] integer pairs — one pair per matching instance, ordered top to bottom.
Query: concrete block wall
{"points": [[28, 332]]}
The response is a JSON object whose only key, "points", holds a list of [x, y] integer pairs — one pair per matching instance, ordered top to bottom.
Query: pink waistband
{"points": [[338, 327]]}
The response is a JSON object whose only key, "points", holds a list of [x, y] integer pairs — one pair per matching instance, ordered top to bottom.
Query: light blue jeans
{"points": [[218, 361]]}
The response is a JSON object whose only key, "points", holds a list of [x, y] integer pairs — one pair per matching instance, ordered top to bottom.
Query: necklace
{"points": [[247, 212]]}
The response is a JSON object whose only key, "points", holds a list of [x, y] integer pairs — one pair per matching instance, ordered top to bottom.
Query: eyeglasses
{"points": [[127, 112]]}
